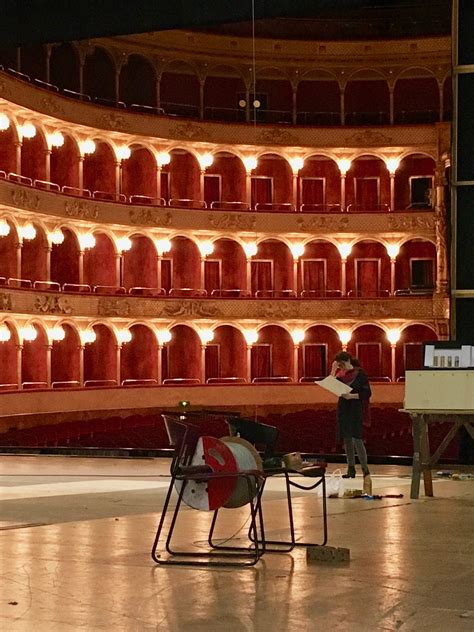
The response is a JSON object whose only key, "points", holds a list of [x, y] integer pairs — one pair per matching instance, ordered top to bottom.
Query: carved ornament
{"points": [[5, 89], [52, 106], [112, 121], [191, 131], [277, 137], [368, 137], [25, 199], [81, 210], [150, 217], [233, 221], [404, 222], [333, 223], [5, 302], [52, 305], [113, 307], [196, 309], [365, 309], [278, 311]]}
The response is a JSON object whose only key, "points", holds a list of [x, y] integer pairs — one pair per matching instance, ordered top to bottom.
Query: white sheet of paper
{"points": [[334, 386]]}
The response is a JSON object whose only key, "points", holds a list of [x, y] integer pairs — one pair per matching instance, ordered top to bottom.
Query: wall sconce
{"points": [[4, 122], [28, 130], [56, 139], [87, 147], [123, 153], [163, 158], [205, 160], [250, 163], [296, 163], [344, 165], [392, 165], [4, 228], [28, 231], [56, 237], [86, 241], [124, 244], [162, 246], [206, 248], [344, 249], [250, 250], [297, 250], [392, 250], [5, 333], [28, 333], [57, 333], [206, 335], [298, 335], [88, 336], [124, 336], [163, 336], [251, 336], [344, 336], [393, 336]]}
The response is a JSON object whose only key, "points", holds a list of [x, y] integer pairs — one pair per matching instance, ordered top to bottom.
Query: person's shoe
{"points": [[351, 472]]}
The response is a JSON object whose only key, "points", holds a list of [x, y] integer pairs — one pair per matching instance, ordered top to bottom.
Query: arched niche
{"points": [[33, 61], [64, 67], [99, 75], [138, 81], [223, 88], [179, 90], [273, 90], [416, 97], [318, 99], [367, 99], [448, 99], [8, 150], [33, 157], [64, 163], [99, 169], [139, 173], [184, 173], [225, 179], [271, 181], [414, 183], [319, 185], [368, 185], [8, 253], [34, 256], [65, 259], [100, 262], [140, 263], [185, 263], [226, 267], [272, 267], [415, 267], [319, 270], [368, 270], [370, 345], [409, 350], [317, 351], [183, 355], [272, 355], [66, 356], [226, 356], [9, 357], [100, 357], [139, 357], [34, 358]]}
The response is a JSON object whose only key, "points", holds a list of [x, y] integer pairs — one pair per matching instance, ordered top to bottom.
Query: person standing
{"points": [[350, 412]]}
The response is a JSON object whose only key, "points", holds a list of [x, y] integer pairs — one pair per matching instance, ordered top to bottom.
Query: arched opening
{"points": [[33, 61], [64, 67], [99, 75], [138, 82], [223, 89], [179, 90], [274, 94], [416, 97], [318, 99], [367, 99], [8, 150], [33, 157], [64, 163], [99, 169], [139, 173], [184, 177], [225, 181], [414, 183], [272, 184], [319, 185], [368, 185], [8, 253], [34, 256], [65, 259], [100, 262], [140, 264], [184, 265], [225, 269], [415, 269], [272, 270], [368, 270], [319, 271], [370, 345], [317, 351], [409, 352], [182, 355], [226, 355], [272, 356], [139, 357], [66, 358], [100, 358], [9, 359], [34, 360]]}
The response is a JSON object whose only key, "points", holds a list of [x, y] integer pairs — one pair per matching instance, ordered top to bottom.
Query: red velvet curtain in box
{"points": [[262, 190], [312, 191], [314, 274], [212, 275], [262, 275], [368, 277], [370, 357], [212, 359], [261, 360], [314, 360]]}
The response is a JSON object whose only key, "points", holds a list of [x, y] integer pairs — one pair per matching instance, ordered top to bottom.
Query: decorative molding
{"points": [[5, 89], [52, 106], [112, 121], [189, 131], [277, 137], [368, 137], [25, 199], [81, 210], [150, 217], [232, 221], [405, 222], [331, 223], [5, 302], [52, 305], [113, 307], [196, 309], [278, 311]]}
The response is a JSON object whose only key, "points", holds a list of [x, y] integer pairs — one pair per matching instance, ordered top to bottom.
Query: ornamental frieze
{"points": [[5, 90], [52, 106], [112, 121], [189, 131], [277, 137], [368, 137], [25, 199], [81, 210], [150, 217], [232, 221], [405, 222], [333, 223], [5, 302], [52, 305], [113, 307], [196, 309], [366, 309], [278, 311]]}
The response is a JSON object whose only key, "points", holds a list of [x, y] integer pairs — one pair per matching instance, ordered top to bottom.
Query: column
{"points": [[392, 106], [293, 111], [343, 115], [18, 145], [47, 158], [81, 173], [118, 177], [158, 181], [201, 184], [248, 188], [295, 190], [343, 191], [392, 191], [441, 231], [19, 246], [393, 260], [48, 263], [203, 264], [81, 267], [119, 268], [158, 271], [249, 274], [295, 275], [343, 276], [393, 347], [19, 353], [118, 362], [249, 363], [295, 363], [203, 364], [48, 365], [81, 365], [159, 365]]}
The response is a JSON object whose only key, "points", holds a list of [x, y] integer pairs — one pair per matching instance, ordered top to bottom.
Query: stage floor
{"points": [[75, 537]]}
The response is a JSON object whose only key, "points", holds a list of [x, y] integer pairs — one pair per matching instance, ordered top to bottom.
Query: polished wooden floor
{"points": [[75, 537]]}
